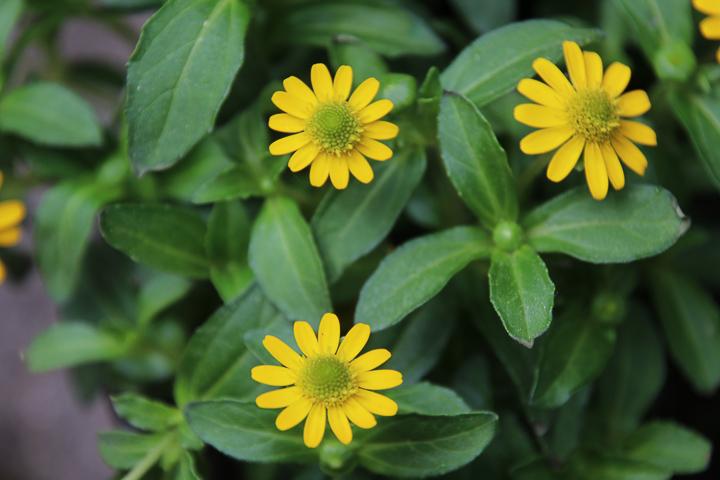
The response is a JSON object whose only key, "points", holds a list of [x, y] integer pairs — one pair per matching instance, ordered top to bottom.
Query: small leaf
{"points": [[10, 11], [485, 15], [658, 22], [493, 64], [49, 114], [475, 161], [232, 183], [638, 222], [350, 223], [165, 237], [226, 243], [286, 262], [416, 272], [158, 293], [522, 293], [69, 344], [427, 399], [144, 413], [669, 446], [123, 450], [603, 467], [186, 469]]}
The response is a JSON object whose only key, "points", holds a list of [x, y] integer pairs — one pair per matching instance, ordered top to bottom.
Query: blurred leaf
{"points": [[10, 11], [485, 15], [658, 22], [184, 45], [366, 63], [494, 63], [399, 88], [49, 114], [475, 161], [232, 183], [638, 222], [350, 223], [162, 236], [226, 243], [286, 262], [416, 272], [158, 293], [522, 293], [69, 344], [472, 382], [427, 399], [144, 413], [568, 425], [669, 446], [123, 450], [597, 467], [186, 469]]}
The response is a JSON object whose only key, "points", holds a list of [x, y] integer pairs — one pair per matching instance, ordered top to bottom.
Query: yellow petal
{"points": [[708, 7], [710, 28], [575, 64], [593, 69], [552, 75], [616, 79], [321, 82], [343, 82], [299, 89], [540, 93], [364, 94], [633, 104], [292, 105], [375, 111], [539, 116], [282, 122], [381, 130], [638, 132], [545, 140], [289, 144], [374, 149], [630, 154], [303, 157], [565, 159], [359, 167], [613, 167], [319, 170], [595, 172], [339, 173], [12, 212], [10, 237], [329, 333], [305, 338], [354, 342], [282, 353], [369, 360], [273, 375], [379, 379], [280, 398], [376, 403], [293, 414], [358, 414], [339, 425], [315, 426]]}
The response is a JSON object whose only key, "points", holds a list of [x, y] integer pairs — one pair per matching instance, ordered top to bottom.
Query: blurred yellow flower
{"points": [[710, 27], [587, 115], [332, 130], [12, 213], [329, 382]]}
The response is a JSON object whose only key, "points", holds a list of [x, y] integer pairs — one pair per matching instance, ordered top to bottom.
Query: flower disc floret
{"points": [[593, 115], [335, 127], [327, 380]]}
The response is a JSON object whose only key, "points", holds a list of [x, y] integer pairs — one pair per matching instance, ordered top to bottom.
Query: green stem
{"points": [[150, 459]]}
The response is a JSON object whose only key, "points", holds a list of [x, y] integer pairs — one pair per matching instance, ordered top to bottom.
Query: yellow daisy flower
{"points": [[710, 27], [587, 115], [331, 129], [12, 213], [329, 382]]}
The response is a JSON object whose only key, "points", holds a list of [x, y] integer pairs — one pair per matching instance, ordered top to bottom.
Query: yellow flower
{"points": [[710, 27], [587, 115], [332, 130], [12, 213], [327, 383]]}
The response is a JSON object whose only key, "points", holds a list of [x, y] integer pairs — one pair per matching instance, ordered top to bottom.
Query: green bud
{"points": [[675, 61], [399, 88], [508, 236], [609, 307], [336, 458]]}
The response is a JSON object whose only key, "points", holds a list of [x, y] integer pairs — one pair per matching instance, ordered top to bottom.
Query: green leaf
{"points": [[10, 11], [485, 15], [658, 22], [387, 28], [365, 62], [493, 64], [181, 71], [399, 88], [49, 114], [475, 161], [234, 182], [638, 222], [350, 223], [166, 237], [226, 243], [286, 261], [416, 272], [158, 293], [522, 293], [691, 320], [69, 344], [574, 353], [216, 362], [427, 399], [144, 413], [245, 432], [420, 446], [669, 446], [123, 450], [603, 467], [186, 469]]}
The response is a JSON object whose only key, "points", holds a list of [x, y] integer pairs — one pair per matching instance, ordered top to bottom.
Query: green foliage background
{"points": [[533, 325]]}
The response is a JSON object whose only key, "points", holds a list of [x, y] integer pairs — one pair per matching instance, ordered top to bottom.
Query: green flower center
{"points": [[593, 115], [335, 128], [326, 379]]}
